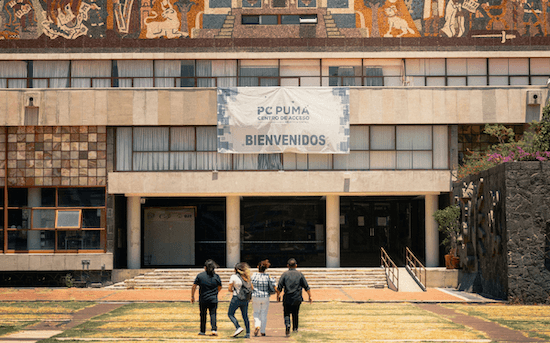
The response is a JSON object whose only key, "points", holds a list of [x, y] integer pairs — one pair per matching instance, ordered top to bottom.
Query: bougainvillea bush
{"points": [[534, 146]]}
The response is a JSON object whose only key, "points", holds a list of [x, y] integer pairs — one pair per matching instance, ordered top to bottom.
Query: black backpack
{"points": [[245, 293]]}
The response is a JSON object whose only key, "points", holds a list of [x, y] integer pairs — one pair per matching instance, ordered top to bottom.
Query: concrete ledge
{"points": [[53, 262], [119, 275], [442, 277]]}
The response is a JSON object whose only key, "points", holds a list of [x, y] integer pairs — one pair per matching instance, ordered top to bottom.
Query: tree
{"points": [[374, 5], [448, 221]]}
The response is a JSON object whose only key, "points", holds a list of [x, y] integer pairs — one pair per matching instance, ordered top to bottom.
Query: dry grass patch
{"points": [[15, 316], [533, 320], [369, 322]]}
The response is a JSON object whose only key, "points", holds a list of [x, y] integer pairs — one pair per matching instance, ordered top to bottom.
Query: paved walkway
{"points": [[436, 295]]}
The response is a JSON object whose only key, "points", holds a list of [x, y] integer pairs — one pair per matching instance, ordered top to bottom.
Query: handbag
{"points": [[271, 284]]}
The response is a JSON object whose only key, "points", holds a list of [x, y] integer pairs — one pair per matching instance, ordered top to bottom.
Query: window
{"points": [[259, 19], [254, 73], [56, 219]]}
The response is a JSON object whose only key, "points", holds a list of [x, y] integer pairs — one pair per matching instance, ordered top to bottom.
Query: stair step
{"points": [[317, 277]]}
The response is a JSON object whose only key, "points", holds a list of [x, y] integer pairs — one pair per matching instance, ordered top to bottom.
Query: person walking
{"points": [[236, 281], [292, 282], [262, 283], [209, 284]]}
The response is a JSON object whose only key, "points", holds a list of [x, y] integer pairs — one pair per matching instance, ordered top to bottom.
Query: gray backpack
{"points": [[245, 293]]}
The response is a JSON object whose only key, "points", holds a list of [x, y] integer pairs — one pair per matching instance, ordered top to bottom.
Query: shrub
{"points": [[535, 146]]}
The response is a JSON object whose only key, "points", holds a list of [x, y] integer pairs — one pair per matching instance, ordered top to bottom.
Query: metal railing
{"points": [[416, 268], [392, 272]]}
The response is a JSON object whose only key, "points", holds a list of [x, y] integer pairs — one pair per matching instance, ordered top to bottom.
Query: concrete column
{"points": [[34, 200], [233, 230], [333, 231], [134, 232], [432, 234]]}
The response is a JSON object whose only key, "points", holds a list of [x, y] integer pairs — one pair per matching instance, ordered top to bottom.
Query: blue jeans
{"points": [[233, 306]]}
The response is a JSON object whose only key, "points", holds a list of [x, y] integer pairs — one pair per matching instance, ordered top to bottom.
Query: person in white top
{"points": [[242, 274], [260, 296]]}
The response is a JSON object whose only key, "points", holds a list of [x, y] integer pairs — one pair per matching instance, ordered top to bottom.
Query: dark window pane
{"points": [[278, 3], [250, 19], [290, 19], [269, 20], [187, 73], [2, 197], [17, 197], [48, 197], [81, 197], [91, 218], [18, 219], [283, 227], [91, 239], [17, 240], [69, 240]]}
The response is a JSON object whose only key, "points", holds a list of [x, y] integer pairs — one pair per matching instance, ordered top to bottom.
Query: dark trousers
{"points": [[212, 308], [291, 309]]}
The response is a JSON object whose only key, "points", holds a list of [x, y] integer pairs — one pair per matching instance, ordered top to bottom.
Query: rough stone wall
{"points": [[506, 210], [527, 214], [482, 254]]}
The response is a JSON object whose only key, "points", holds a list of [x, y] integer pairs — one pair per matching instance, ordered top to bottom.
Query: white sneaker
{"points": [[238, 331], [214, 333]]}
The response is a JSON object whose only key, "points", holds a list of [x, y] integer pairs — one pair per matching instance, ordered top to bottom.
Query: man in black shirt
{"points": [[292, 282], [209, 284]]}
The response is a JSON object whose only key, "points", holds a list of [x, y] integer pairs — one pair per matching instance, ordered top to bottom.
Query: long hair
{"points": [[210, 266], [243, 270]]}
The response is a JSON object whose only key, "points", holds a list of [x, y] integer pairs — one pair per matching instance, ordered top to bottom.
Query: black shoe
{"points": [[294, 330], [287, 331]]}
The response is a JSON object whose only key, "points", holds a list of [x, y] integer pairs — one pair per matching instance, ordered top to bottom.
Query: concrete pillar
{"points": [[34, 200], [233, 230], [333, 231], [134, 232], [432, 234]]}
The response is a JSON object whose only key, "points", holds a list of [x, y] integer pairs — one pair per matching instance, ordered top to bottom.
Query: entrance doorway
{"points": [[370, 223], [278, 228], [169, 236]]}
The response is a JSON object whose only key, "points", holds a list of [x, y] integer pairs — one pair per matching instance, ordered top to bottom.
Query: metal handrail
{"points": [[416, 267], [392, 272]]}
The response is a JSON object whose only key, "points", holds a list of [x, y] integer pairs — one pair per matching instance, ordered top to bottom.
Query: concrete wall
{"points": [[368, 105], [206, 183], [54, 262], [441, 277]]}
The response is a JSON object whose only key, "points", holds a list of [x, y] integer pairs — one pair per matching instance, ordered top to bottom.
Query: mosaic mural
{"points": [[503, 20]]}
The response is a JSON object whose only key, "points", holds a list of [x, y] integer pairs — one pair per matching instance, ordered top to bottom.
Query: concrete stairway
{"points": [[330, 25], [227, 28], [316, 277]]}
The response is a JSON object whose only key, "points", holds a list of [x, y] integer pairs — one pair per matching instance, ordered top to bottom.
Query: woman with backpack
{"points": [[209, 284], [240, 286], [264, 286]]}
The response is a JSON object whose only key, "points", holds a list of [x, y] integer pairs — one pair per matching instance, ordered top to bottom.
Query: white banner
{"points": [[290, 119]]}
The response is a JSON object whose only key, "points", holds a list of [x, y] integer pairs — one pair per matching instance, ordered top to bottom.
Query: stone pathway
{"points": [[494, 331]]}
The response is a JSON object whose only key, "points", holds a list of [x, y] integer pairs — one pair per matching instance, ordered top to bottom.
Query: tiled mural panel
{"points": [[485, 22], [53, 155]]}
